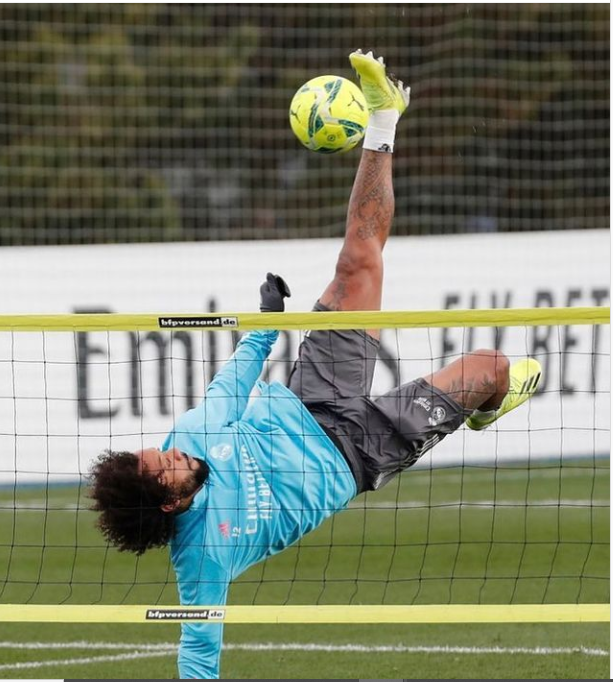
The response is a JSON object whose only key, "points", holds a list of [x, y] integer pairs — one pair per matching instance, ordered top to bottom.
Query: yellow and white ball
{"points": [[328, 114]]}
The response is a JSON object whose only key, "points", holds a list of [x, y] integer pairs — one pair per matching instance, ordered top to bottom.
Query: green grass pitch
{"points": [[462, 535]]}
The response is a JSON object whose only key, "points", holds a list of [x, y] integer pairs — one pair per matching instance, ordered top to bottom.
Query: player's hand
{"points": [[272, 293]]}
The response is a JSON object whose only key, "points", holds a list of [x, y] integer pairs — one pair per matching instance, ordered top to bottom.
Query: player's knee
{"points": [[496, 364]]}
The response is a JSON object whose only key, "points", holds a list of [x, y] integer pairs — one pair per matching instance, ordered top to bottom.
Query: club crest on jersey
{"points": [[438, 415], [221, 452]]}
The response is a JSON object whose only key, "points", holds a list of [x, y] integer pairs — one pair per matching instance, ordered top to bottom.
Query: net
{"points": [[157, 122], [516, 515]]}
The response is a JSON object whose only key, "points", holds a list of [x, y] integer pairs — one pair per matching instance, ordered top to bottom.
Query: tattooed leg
{"points": [[358, 279], [476, 380]]}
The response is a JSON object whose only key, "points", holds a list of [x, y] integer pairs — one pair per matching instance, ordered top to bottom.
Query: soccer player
{"points": [[240, 479]]}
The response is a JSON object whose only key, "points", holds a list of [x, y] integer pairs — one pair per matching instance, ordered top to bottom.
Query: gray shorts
{"points": [[379, 438]]}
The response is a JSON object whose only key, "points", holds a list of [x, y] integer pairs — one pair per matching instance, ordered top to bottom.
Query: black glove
{"points": [[272, 293]]}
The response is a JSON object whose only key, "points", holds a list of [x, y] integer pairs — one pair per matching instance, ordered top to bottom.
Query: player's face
{"points": [[175, 469]]}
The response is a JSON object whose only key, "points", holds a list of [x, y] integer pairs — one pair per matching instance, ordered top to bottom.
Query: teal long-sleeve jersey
{"points": [[274, 476]]}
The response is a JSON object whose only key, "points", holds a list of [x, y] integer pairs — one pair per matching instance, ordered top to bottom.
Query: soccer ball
{"points": [[329, 114]]}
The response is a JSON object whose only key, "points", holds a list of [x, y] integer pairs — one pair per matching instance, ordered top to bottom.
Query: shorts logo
{"points": [[423, 402], [438, 415], [221, 452]]}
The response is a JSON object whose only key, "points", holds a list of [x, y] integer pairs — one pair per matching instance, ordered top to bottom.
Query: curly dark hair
{"points": [[129, 502]]}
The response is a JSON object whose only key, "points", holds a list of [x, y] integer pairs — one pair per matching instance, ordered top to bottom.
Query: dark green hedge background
{"points": [[153, 122]]}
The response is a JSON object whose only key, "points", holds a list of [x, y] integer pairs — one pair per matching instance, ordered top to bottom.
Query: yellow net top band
{"points": [[499, 317], [436, 613]]}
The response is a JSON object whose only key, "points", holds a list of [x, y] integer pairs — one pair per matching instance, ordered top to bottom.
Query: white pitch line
{"points": [[555, 471], [362, 504], [485, 504], [115, 646], [359, 648], [168, 649], [85, 661]]}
